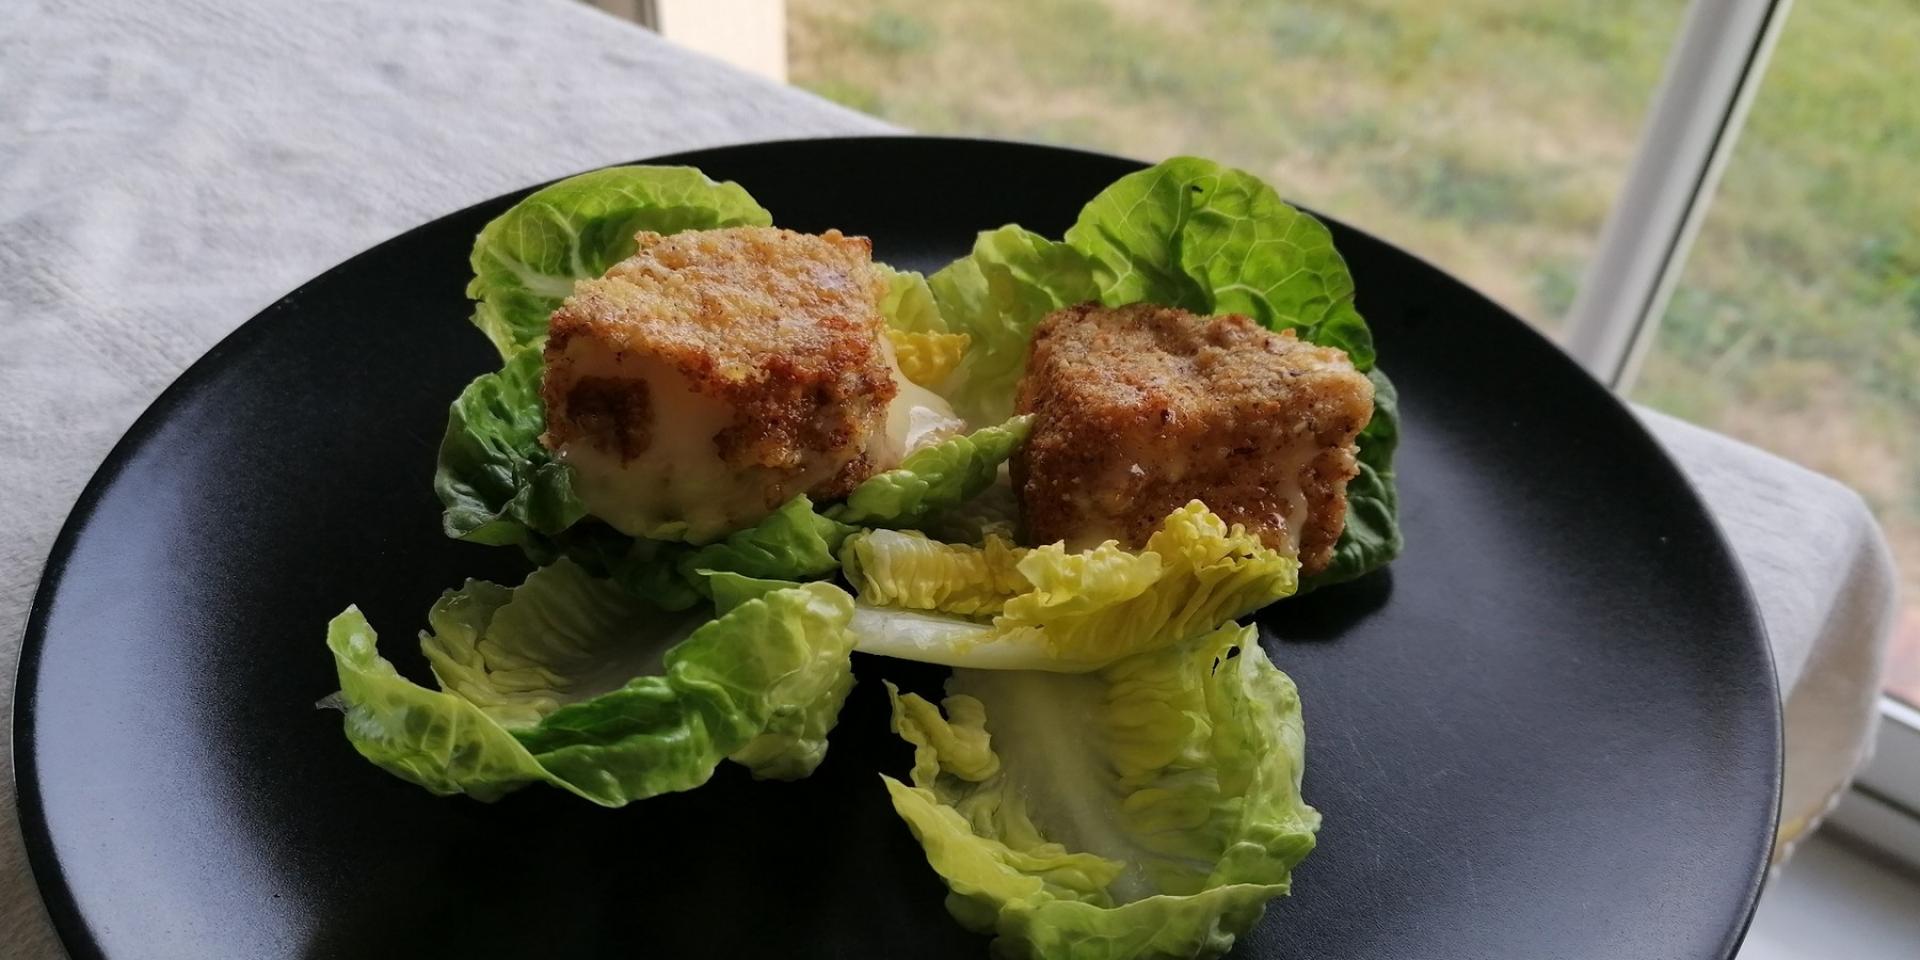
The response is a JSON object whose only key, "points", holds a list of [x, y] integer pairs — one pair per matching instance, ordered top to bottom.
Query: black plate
{"points": [[1550, 731]]}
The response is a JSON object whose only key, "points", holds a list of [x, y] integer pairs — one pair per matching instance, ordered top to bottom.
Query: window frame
{"points": [[1712, 74], [1711, 77], [1882, 808]]}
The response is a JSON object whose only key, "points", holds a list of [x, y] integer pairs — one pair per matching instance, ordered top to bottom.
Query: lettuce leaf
{"points": [[1193, 234], [526, 260], [996, 295], [908, 304], [926, 352], [927, 358], [933, 478], [498, 485], [995, 512], [794, 543], [907, 570], [1055, 610], [539, 685], [426, 737], [794, 740], [1150, 809]]}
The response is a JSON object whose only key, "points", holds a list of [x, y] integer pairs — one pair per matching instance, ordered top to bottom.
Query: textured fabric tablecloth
{"points": [[166, 170]]}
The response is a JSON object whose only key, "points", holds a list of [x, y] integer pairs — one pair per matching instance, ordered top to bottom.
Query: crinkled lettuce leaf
{"points": [[1194, 234], [526, 260], [996, 295], [908, 303], [925, 350], [927, 358], [934, 478], [498, 485], [995, 512], [795, 542], [910, 571], [1052, 609], [571, 681], [427, 737], [794, 740], [1149, 809]]}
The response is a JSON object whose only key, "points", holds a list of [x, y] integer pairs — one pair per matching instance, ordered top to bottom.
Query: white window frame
{"points": [[1712, 74], [1711, 77], [1881, 810]]}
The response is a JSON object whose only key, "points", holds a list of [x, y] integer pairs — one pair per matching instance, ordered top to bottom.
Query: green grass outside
{"points": [[1491, 136]]}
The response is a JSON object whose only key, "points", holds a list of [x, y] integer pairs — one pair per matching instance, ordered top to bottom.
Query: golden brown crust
{"points": [[783, 328], [1143, 408], [614, 414]]}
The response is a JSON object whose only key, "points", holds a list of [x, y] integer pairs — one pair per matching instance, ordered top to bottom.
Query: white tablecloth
{"points": [[168, 169]]}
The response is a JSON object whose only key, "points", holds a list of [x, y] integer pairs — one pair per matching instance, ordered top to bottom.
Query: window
{"points": [[1505, 183], [1796, 322]]}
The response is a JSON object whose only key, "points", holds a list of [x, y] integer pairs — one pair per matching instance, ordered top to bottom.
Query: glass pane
{"points": [[1489, 136], [1796, 325]]}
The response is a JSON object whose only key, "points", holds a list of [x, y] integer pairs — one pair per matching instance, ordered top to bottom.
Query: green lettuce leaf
{"points": [[1193, 234], [526, 260], [996, 295], [908, 304], [934, 478], [498, 485], [995, 512], [794, 543], [652, 569], [907, 570], [1054, 610], [561, 637], [539, 684], [426, 737], [1150, 809]]}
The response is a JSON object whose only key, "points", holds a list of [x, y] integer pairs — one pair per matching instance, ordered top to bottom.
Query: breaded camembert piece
{"points": [[715, 374], [1144, 408]]}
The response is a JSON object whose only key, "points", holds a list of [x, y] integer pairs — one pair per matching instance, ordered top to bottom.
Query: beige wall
{"points": [[750, 34]]}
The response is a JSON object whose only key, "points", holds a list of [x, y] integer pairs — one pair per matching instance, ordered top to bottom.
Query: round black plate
{"points": [[1551, 730]]}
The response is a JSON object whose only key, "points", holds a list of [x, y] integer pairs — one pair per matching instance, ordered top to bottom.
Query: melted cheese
{"points": [[916, 418], [1294, 461], [680, 489]]}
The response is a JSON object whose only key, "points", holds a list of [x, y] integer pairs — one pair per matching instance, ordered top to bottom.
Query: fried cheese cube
{"points": [[715, 374], [1141, 409]]}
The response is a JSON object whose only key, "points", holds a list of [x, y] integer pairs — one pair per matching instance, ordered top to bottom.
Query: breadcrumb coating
{"points": [[767, 342], [1143, 408]]}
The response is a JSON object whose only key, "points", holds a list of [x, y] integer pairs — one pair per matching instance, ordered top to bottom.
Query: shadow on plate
{"points": [[1328, 613]]}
